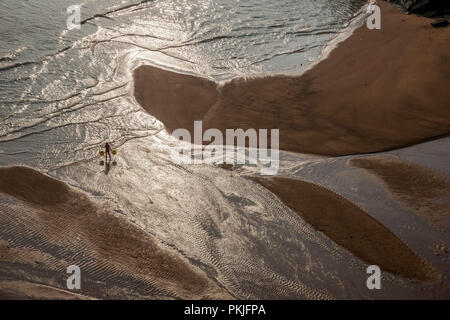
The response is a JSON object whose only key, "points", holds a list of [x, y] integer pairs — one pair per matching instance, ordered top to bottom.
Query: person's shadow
{"points": [[107, 167]]}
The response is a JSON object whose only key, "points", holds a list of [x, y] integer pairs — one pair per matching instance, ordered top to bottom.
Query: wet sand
{"points": [[378, 90], [175, 99], [419, 188], [47, 226], [349, 226], [18, 290]]}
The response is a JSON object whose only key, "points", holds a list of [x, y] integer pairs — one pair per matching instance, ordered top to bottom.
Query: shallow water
{"points": [[63, 93]]}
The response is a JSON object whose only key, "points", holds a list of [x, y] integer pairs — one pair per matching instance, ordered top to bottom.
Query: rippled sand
{"points": [[427, 192], [47, 226], [349, 226], [152, 228]]}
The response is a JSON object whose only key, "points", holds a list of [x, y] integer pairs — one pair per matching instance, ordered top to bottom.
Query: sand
{"points": [[378, 90], [180, 98], [425, 191], [47, 226], [349, 226], [19, 290]]}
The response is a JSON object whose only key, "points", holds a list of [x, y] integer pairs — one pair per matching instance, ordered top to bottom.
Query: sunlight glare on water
{"points": [[64, 93]]}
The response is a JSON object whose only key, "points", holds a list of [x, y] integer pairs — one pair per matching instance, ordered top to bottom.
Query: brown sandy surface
{"points": [[378, 90], [175, 99], [422, 189], [47, 226], [349, 226], [26, 290]]}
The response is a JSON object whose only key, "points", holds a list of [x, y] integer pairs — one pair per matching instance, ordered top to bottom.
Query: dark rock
{"points": [[428, 8], [439, 23], [226, 166]]}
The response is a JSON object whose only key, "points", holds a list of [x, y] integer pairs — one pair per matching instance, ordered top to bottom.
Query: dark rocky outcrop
{"points": [[428, 8], [439, 23]]}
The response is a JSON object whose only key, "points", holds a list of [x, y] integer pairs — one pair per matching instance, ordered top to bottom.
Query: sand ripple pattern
{"points": [[45, 230]]}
